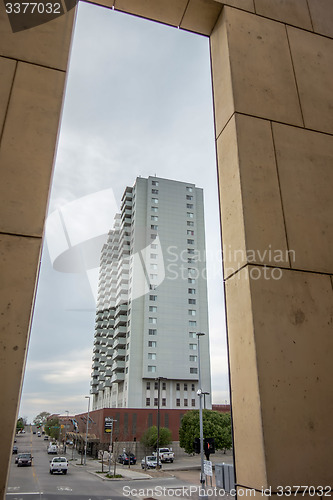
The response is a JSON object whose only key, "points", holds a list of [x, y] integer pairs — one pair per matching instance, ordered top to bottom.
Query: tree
{"points": [[41, 418], [21, 422], [215, 425], [52, 427], [149, 438]]}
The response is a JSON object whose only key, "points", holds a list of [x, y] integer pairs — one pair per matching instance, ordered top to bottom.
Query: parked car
{"points": [[15, 449], [166, 455], [24, 459], [123, 459], [149, 462], [59, 464]]}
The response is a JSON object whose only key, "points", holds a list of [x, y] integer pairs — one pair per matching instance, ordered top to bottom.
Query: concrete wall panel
{"points": [[168, 12], [295, 12], [201, 15], [322, 16], [47, 44], [313, 62], [7, 71], [27, 148], [305, 161], [252, 216], [19, 260], [293, 324], [246, 408]]}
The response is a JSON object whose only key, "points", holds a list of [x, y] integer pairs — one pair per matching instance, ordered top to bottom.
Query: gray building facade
{"points": [[152, 300]]}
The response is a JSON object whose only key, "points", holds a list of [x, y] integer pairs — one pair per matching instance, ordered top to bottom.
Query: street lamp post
{"points": [[200, 394], [112, 421], [158, 421], [86, 443]]}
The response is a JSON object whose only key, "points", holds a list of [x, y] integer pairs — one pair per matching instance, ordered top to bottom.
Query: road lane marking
{"points": [[27, 493]]}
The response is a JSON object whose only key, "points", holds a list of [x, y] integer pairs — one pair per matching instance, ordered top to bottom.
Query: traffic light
{"points": [[196, 445], [209, 447]]}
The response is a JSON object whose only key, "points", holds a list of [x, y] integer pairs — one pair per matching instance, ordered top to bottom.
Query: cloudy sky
{"points": [[138, 102]]}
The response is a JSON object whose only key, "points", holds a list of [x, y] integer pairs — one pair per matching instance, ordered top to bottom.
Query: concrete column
{"points": [[32, 74], [273, 92]]}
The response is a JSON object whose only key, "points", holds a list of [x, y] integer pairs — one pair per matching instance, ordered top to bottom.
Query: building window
{"points": [[154, 183], [189, 189], [154, 191], [189, 197], [154, 200], [189, 205], [154, 209], [190, 215], [154, 217], [190, 223], [154, 227], [190, 232], [153, 236], [190, 242], [153, 246], [190, 251], [153, 255], [191, 260], [153, 267], [192, 271], [153, 276], [191, 280], [152, 287], [191, 291], [153, 297], [192, 301], [153, 309], [192, 312], [153, 321], [192, 323], [152, 331], [192, 335], [152, 343], [193, 347], [152, 355], [193, 358], [151, 368], [193, 370], [148, 386], [156, 386], [163, 386], [178, 386], [185, 387], [193, 387], [147, 401], [155, 401], [163, 401], [177, 402], [185, 402], [193, 402]]}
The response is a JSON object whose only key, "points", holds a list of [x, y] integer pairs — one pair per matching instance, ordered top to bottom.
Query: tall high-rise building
{"points": [[152, 300]]}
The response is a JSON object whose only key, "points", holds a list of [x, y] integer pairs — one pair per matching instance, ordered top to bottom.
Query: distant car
{"points": [[34, 432], [39, 434], [46, 438], [69, 442], [15, 449], [52, 449], [24, 459], [123, 459], [149, 462], [59, 464]]}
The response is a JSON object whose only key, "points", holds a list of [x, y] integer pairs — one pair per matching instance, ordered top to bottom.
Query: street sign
{"points": [[108, 422], [208, 467]]}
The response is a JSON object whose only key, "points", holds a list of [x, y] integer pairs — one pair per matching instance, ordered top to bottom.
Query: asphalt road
{"points": [[36, 482]]}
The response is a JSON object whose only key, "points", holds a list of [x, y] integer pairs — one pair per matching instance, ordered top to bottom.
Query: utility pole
{"points": [[200, 394], [112, 420], [86, 443]]}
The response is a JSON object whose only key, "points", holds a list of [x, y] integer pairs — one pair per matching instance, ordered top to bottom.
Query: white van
{"points": [[52, 449]]}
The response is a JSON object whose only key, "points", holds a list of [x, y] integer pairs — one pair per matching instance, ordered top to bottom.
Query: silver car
{"points": [[149, 462]]}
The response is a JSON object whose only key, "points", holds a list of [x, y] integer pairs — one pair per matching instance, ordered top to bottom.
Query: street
{"points": [[35, 482]]}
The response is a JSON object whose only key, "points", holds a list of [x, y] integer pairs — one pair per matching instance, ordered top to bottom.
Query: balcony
{"points": [[119, 343], [119, 353], [118, 366], [117, 377], [94, 390]]}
